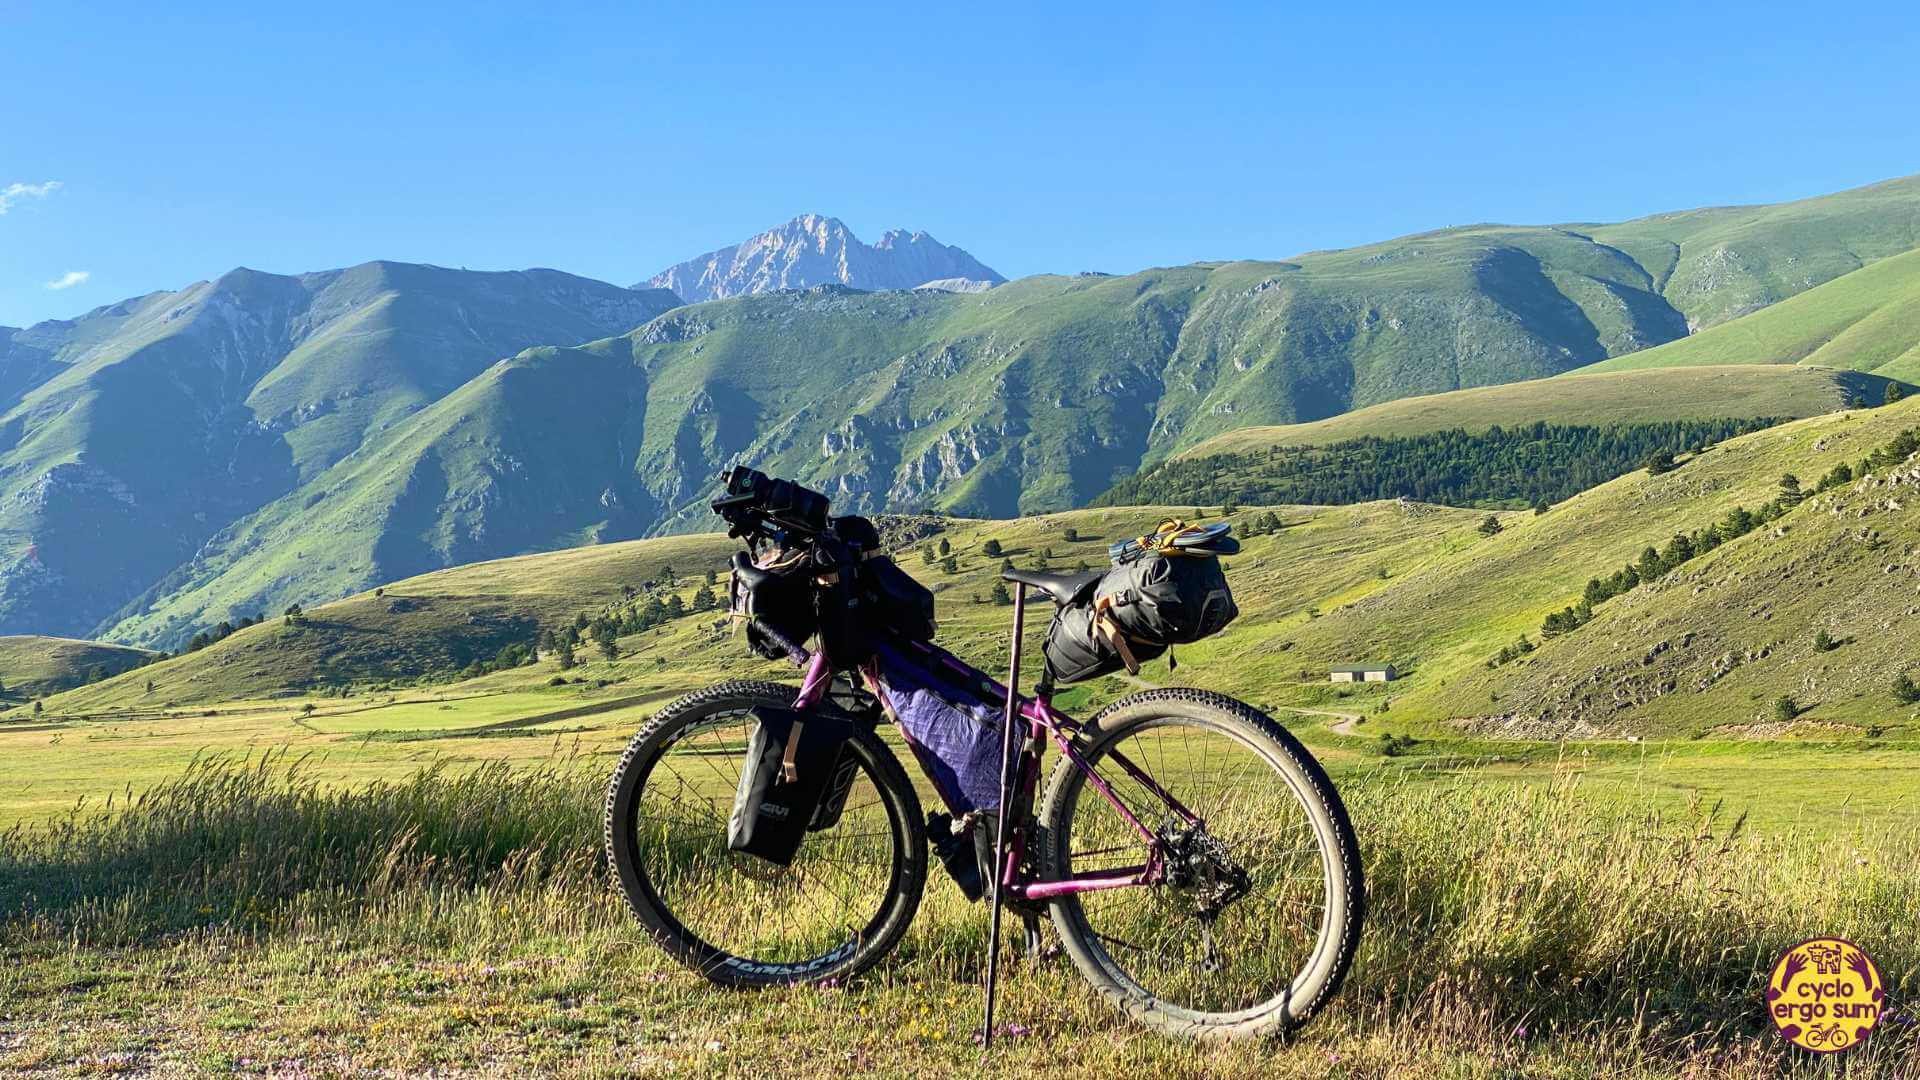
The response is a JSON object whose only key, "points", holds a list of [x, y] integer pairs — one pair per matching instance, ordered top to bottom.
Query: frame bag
{"points": [[954, 731]]}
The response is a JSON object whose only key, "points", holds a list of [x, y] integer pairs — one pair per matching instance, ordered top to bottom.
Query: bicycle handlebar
{"points": [[753, 500], [796, 653]]}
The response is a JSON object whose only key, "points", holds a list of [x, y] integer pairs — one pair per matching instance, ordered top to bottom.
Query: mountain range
{"points": [[816, 250], [132, 436], [186, 458]]}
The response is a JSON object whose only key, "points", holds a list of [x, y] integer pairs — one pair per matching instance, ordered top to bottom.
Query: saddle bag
{"points": [[1165, 590], [1080, 647], [795, 780]]}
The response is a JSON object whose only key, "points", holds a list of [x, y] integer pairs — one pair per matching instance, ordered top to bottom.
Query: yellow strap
{"points": [[1163, 537], [1104, 624], [787, 766]]}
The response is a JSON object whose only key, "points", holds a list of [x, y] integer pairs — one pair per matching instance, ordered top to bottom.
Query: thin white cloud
{"points": [[15, 192], [69, 280]]}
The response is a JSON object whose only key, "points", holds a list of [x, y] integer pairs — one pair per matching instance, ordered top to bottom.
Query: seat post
{"points": [[1000, 873]]}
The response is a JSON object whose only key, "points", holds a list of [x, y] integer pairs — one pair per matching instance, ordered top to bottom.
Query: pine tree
{"points": [[1894, 393], [1489, 525], [945, 548], [991, 549], [950, 565], [1650, 567], [1000, 596], [703, 598], [654, 613], [566, 657], [1904, 691]]}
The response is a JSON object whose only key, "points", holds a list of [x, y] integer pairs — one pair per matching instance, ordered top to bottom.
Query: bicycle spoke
{"points": [[737, 904], [1180, 941]]}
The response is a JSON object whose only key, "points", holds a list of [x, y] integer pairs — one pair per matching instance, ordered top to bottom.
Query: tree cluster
{"points": [[1533, 465], [1655, 563], [225, 630]]}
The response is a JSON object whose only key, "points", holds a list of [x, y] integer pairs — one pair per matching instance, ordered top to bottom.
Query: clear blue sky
{"points": [[189, 139]]}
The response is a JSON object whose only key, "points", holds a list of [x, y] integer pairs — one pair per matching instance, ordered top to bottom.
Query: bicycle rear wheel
{"points": [[842, 904], [1258, 914]]}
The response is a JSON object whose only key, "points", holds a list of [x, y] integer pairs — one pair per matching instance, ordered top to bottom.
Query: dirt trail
{"points": [[1343, 721]]}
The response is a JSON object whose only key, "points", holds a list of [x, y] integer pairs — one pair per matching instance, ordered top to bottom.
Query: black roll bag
{"points": [[1164, 590], [777, 592], [885, 595]]}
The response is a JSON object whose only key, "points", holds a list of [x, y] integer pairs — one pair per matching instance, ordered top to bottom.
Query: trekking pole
{"points": [[1006, 796]]}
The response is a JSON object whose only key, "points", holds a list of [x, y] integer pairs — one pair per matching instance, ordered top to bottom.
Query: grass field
{"points": [[279, 858], [238, 918]]}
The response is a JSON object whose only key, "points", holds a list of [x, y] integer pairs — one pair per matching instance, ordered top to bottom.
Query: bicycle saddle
{"points": [[1063, 588]]}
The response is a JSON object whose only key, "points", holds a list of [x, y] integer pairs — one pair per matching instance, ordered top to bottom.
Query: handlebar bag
{"points": [[778, 594], [795, 780]]}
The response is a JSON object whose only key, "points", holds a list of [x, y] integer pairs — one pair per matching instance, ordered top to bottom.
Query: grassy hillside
{"points": [[1719, 263], [1868, 320], [1032, 397], [1623, 397], [131, 436], [1415, 585], [1446, 623], [432, 625], [1799, 626], [32, 666]]}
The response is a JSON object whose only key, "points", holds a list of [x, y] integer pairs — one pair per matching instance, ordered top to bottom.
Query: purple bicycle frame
{"points": [[1043, 723]]}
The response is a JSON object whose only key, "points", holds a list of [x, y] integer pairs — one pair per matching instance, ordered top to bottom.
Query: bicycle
{"points": [[1195, 861]]}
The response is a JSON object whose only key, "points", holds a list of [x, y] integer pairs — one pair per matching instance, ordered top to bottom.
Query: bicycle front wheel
{"points": [[841, 905], [1257, 913]]}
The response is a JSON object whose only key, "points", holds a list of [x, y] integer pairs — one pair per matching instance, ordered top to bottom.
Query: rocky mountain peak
{"points": [[815, 249]]}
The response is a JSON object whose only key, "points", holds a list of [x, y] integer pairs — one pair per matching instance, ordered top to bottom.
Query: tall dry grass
{"points": [[1498, 914]]}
